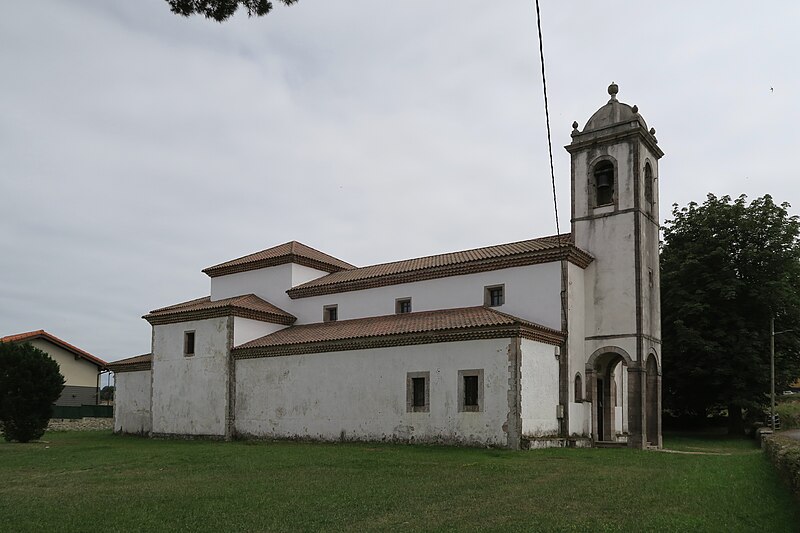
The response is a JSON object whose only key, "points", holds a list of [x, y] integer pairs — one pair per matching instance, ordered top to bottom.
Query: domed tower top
{"points": [[613, 112], [612, 119]]}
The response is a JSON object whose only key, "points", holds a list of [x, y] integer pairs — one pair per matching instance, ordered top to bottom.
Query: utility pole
{"points": [[772, 371]]}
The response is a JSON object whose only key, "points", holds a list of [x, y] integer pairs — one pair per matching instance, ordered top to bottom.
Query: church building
{"points": [[552, 341]]}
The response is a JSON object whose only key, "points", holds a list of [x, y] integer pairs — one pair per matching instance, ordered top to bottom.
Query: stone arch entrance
{"points": [[608, 369], [653, 401]]}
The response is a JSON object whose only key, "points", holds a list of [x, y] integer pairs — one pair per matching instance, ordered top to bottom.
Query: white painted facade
{"points": [[587, 386], [190, 393], [361, 394], [132, 399]]}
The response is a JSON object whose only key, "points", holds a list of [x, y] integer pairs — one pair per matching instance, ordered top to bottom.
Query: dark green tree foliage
{"points": [[221, 10], [726, 267], [30, 382], [107, 393]]}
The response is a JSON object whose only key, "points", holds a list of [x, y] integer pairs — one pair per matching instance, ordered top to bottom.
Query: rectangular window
{"points": [[494, 296], [402, 305], [330, 313], [188, 343], [418, 385], [470, 390], [418, 392]]}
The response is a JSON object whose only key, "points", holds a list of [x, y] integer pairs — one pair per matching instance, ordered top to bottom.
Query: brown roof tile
{"points": [[541, 250], [290, 252], [246, 306], [391, 330], [42, 334], [132, 364]]}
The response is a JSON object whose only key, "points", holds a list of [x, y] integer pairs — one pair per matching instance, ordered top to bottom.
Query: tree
{"points": [[221, 10], [728, 267], [30, 382], [107, 393]]}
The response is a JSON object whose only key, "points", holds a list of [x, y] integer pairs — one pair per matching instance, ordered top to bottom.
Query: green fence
{"points": [[83, 411]]}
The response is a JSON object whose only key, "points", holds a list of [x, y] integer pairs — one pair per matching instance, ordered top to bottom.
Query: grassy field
{"points": [[82, 481]]}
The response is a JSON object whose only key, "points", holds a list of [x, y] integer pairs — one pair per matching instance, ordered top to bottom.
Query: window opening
{"points": [[604, 183], [648, 185], [494, 296], [403, 305], [330, 313], [188, 343], [578, 388], [470, 391], [418, 392]]}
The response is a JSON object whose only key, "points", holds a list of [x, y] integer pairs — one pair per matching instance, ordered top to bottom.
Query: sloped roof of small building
{"points": [[290, 252], [521, 253], [245, 306], [443, 325], [42, 334], [132, 364]]}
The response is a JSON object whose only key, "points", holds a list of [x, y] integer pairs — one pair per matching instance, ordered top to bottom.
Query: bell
{"points": [[604, 180]]}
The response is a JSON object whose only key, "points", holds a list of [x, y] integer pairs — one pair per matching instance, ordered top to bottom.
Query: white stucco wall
{"points": [[269, 283], [531, 292], [246, 329], [576, 349], [77, 371], [539, 389], [190, 393], [361, 394], [132, 396]]}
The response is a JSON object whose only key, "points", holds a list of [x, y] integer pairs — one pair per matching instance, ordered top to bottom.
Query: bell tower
{"points": [[614, 162]]}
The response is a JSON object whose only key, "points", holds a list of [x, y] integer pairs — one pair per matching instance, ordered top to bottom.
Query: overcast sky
{"points": [[138, 147]]}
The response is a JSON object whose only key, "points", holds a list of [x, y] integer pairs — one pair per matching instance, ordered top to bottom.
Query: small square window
{"points": [[494, 296], [402, 305], [330, 313], [188, 343], [470, 390], [418, 392]]}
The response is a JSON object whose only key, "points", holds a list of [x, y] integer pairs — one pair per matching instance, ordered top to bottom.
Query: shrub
{"points": [[30, 382], [789, 413], [785, 455]]}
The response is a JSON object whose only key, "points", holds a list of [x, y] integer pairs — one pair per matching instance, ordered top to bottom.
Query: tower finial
{"points": [[613, 89]]}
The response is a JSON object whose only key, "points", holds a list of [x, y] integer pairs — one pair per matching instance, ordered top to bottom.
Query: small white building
{"points": [[551, 341]]}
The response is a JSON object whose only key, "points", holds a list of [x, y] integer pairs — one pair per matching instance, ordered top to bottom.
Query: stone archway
{"points": [[601, 369], [653, 402]]}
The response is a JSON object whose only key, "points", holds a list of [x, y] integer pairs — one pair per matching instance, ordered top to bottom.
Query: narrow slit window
{"points": [[188, 343], [418, 391], [470, 391]]}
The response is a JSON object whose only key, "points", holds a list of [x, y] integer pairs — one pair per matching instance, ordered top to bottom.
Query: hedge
{"points": [[785, 455]]}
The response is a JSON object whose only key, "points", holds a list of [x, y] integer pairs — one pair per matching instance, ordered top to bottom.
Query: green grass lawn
{"points": [[90, 481]]}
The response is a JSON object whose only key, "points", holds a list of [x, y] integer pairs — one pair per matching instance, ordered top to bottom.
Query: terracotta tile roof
{"points": [[541, 250], [290, 252], [245, 306], [444, 325], [42, 334], [132, 364]]}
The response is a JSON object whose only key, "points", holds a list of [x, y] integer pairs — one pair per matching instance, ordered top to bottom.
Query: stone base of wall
{"points": [[80, 424], [538, 443]]}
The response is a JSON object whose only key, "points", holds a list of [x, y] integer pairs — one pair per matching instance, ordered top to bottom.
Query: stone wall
{"points": [[80, 424]]}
